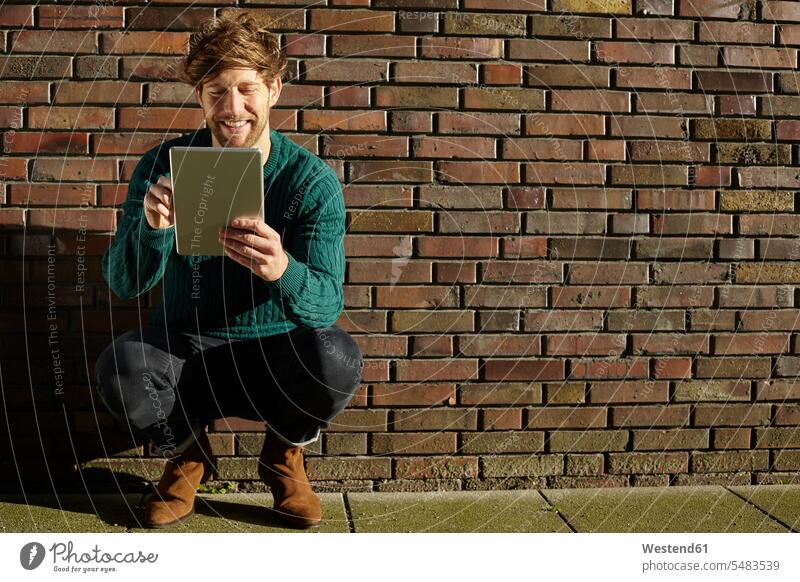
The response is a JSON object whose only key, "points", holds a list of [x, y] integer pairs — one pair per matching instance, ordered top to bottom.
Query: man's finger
{"points": [[256, 225], [247, 247]]}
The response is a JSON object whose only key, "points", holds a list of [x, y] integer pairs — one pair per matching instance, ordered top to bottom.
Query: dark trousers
{"points": [[169, 384]]}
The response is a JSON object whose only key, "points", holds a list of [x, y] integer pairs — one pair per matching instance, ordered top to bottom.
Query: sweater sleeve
{"points": [[136, 260], [310, 290]]}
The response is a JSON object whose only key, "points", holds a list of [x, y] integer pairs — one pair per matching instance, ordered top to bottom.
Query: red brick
{"points": [[713, 9], [783, 10], [17, 16], [95, 16], [167, 18], [330, 20], [53, 41], [145, 43], [305, 45], [371, 45], [472, 48], [548, 50], [626, 52], [759, 57], [341, 70], [434, 72], [502, 74], [740, 82], [29, 92], [100, 92], [354, 96], [400, 96], [71, 117], [168, 118], [355, 120], [420, 121], [461, 122], [564, 124], [22, 142], [127, 143], [345, 146], [453, 147], [538, 149], [391, 171], [484, 173], [51, 194], [102, 220], [465, 246], [591, 297], [747, 344], [517, 369], [436, 370], [629, 391], [412, 394], [671, 415], [736, 415], [558, 417], [437, 419], [501, 419], [411, 443], [436, 468]]}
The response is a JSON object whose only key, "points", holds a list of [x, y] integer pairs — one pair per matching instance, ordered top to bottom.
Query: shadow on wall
{"points": [[57, 317]]}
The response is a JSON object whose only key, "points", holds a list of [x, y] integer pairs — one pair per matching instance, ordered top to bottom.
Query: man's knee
{"points": [[341, 359], [338, 372], [126, 386]]}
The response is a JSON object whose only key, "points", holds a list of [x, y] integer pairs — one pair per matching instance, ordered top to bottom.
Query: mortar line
{"points": [[558, 511], [348, 512], [769, 515]]}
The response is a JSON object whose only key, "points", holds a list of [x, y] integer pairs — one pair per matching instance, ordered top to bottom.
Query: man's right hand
{"points": [[158, 204]]}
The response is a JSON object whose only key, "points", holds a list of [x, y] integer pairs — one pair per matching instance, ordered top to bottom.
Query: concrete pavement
{"points": [[751, 509]]}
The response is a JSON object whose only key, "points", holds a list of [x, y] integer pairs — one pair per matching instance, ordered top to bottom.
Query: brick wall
{"points": [[571, 245]]}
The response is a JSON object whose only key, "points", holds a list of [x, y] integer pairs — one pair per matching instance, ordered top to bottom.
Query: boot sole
{"points": [[295, 520], [174, 522]]}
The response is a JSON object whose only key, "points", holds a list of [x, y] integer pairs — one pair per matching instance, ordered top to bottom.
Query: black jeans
{"points": [[169, 384]]}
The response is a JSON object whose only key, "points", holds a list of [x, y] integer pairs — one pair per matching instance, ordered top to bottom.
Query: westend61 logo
{"points": [[65, 559]]}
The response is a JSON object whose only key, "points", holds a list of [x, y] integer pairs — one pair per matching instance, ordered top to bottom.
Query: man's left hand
{"points": [[254, 244]]}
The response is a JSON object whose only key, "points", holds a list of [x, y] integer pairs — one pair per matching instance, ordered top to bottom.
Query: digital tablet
{"points": [[210, 187]]}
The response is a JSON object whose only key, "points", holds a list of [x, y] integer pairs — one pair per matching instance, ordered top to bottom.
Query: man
{"points": [[248, 334]]}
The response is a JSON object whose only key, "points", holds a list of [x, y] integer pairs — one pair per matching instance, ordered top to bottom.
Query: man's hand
{"points": [[158, 208], [254, 244]]}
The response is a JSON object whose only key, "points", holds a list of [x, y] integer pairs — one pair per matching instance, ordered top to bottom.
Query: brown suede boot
{"points": [[281, 467], [172, 502]]}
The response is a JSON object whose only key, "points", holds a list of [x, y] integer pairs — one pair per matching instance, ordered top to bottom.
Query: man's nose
{"points": [[232, 103]]}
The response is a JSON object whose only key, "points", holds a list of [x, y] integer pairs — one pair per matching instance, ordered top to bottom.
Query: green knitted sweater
{"points": [[216, 296]]}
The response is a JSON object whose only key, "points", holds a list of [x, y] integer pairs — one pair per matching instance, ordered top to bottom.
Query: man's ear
{"points": [[198, 91], [275, 91]]}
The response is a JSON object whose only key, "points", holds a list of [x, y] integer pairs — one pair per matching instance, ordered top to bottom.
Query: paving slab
{"points": [[780, 501], [707, 508], [454, 511], [65, 513], [239, 513], [252, 513]]}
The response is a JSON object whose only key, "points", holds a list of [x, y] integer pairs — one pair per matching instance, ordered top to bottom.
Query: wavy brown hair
{"points": [[236, 38]]}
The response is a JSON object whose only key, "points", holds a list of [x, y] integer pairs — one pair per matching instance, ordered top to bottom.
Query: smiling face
{"points": [[236, 105]]}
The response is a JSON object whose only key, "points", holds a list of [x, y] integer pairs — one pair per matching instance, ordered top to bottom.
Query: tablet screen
{"points": [[210, 187]]}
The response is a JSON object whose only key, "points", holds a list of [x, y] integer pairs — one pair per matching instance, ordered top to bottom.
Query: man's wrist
{"points": [[293, 276]]}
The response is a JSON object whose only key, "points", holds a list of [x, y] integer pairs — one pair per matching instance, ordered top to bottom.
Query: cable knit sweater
{"points": [[215, 295]]}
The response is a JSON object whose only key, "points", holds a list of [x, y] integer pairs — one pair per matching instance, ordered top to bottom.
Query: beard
{"points": [[245, 138]]}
